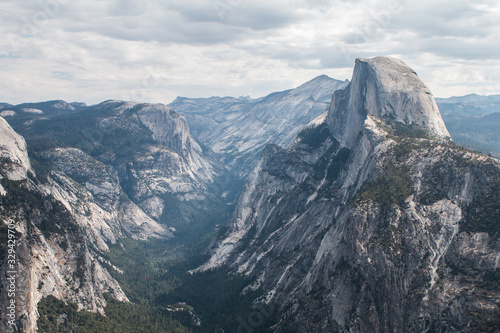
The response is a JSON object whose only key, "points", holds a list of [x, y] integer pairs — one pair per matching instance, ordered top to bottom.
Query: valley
{"points": [[332, 207]]}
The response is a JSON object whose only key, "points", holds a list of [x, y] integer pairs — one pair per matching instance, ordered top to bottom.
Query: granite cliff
{"points": [[374, 220]]}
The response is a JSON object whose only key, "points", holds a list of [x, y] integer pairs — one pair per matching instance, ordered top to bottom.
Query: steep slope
{"points": [[239, 128], [147, 147], [14, 158], [111, 171], [373, 221], [45, 248]]}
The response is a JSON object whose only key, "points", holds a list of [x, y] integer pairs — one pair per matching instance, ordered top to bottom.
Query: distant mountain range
{"points": [[473, 121], [228, 125], [238, 129], [343, 206], [372, 220]]}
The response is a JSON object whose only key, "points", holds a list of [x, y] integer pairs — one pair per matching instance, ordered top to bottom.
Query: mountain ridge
{"points": [[238, 129], [100, 175], [367, 218], [351, 232]]}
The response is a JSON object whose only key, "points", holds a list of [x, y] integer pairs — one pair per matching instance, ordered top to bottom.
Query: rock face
{"points": [[383, 87], [239, 128], [145, 150], [13, 153], [101, 174], [373, 221], [52, 253]]}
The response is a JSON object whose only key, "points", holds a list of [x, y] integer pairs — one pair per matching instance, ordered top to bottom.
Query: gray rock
{"points": [[238, 129], [373, 228]]}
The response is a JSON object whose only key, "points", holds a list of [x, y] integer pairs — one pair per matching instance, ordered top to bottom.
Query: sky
{"points": [[154, 50]]}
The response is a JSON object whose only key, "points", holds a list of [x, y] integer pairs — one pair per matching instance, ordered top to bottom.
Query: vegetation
{"points": [[398, 129], [83, 130], [315, 136], [338, 162], [331, 163], [436, 184], [391, 188], [483, 212], [54, 217], [4, 237], [155, 274], [155, 278], [491, 280], [219, 305], [56, 316]]}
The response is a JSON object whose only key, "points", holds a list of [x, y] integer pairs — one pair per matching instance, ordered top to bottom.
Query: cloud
{"points": [[100, 49]]}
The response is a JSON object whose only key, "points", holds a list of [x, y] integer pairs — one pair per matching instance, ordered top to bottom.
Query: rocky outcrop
{"points": [[384, 88], [238, 129], [145, 152], [15, 163], [91, 192], [87, 197], [373, 221], [55, 237]]}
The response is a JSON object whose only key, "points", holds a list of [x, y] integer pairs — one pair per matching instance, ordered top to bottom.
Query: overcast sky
{"points": [[155, 50]]}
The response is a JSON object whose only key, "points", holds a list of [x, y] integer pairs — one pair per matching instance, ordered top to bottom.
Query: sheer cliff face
{"points": [[383, 87], [117, 148], [13, 154], [166, 159], [106, 170], [66, 218], [374, 220], [60, 230]]}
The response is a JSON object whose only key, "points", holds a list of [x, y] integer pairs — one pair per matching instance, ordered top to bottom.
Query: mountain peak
{"points": [[383, 87]]}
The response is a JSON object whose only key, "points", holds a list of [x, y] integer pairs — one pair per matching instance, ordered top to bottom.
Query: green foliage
{"points": [[399, 129], [86, 131], [409, 131], [477, 133], [315, 136], [404, 147], [338, 162], [5, 163], [331, 163], [436, 184], [391, 188], [483, 212], [49, 215], [189, 217], [4, 238], [389, 238], [146, 266], [155, 277], [491, 280], [217, 298], [55, 316], [490, 326]]}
